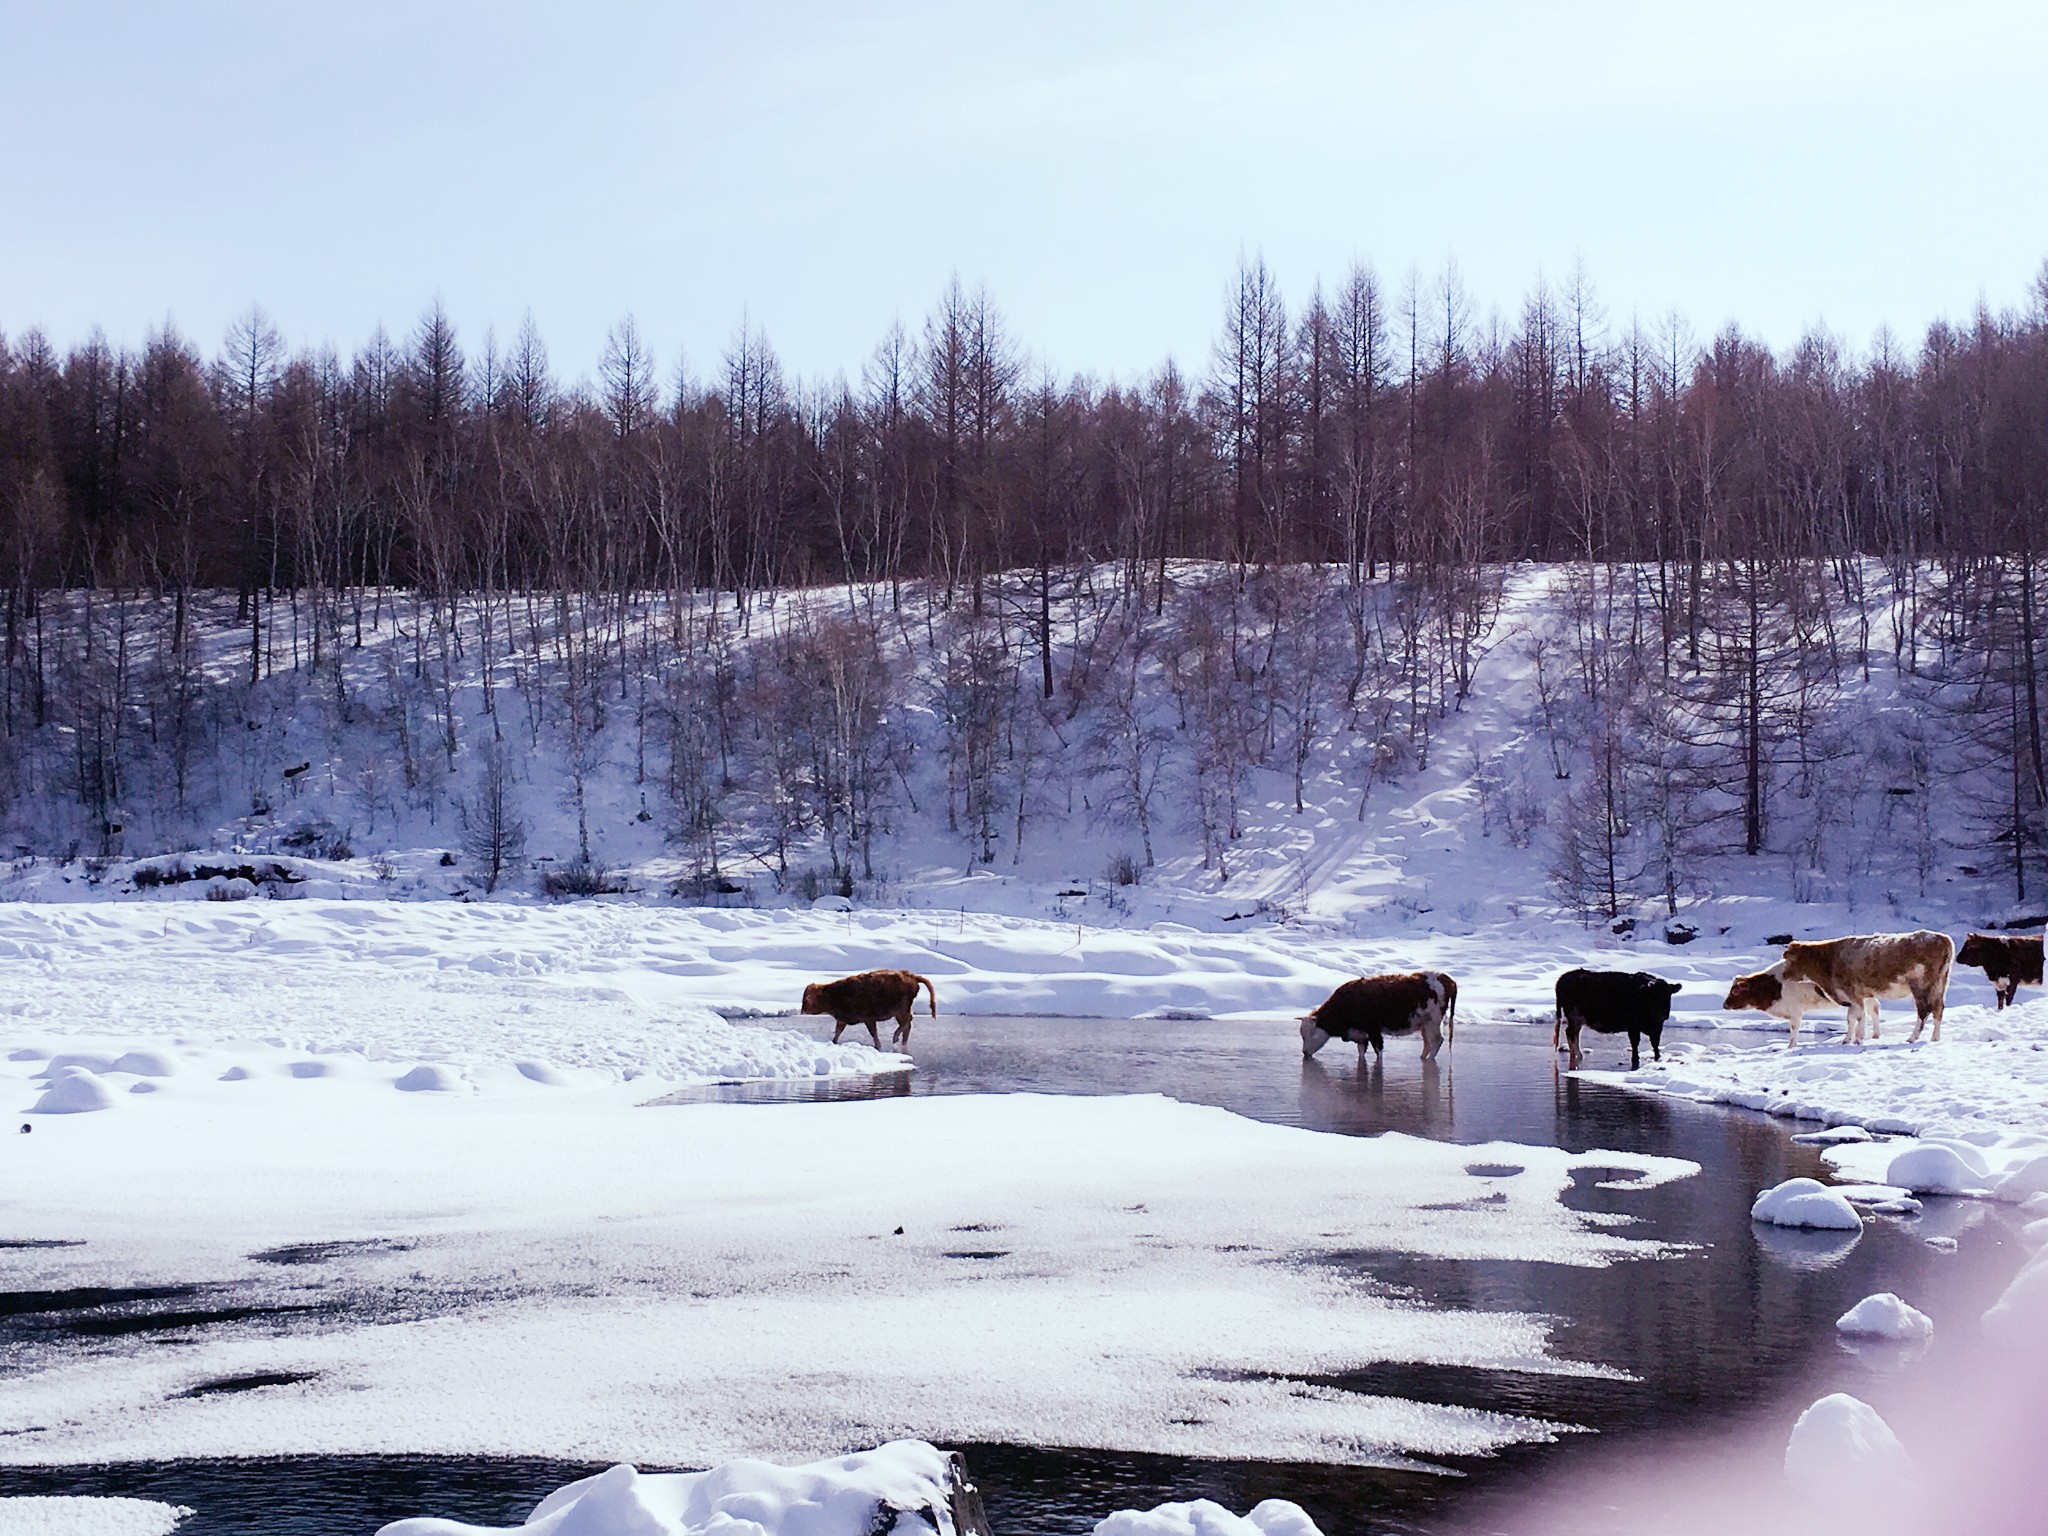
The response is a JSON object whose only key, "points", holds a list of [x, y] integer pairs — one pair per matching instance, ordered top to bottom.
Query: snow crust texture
{"points": [[529, 1271], [51, 1515]]}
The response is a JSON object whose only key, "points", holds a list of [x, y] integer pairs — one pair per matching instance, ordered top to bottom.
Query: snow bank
{"points": [[452, 996], [1968, 1116], [1805, 1203], [529, 1272], [1884, 1316], [2018, 1320], [1841, 1450], [906, 1487], [51, 1515], [1204, 1517]]}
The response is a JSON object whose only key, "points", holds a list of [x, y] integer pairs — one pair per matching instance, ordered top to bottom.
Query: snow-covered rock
{"points": [[74, 1091], [1939, 1168], [1805, 1203], [1884, 1316], [2018, 1320], [1841, 1448], [905, 1487], [66, 1515], [1205, 1517]]}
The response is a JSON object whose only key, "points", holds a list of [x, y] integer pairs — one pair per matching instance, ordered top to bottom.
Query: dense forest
{"points": [[1299, 548]]}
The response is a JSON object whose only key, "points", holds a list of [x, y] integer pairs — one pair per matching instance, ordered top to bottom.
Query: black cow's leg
{"points": [[1635, 1050]]}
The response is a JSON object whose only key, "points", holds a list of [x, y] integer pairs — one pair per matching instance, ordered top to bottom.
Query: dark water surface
{"points": [[1735, 1335]]}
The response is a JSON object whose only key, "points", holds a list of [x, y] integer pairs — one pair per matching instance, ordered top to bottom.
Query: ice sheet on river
{"points": [[521, 1269]]}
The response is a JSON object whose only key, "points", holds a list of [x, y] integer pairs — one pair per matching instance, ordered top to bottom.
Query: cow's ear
{"points": [[1674, 987]]}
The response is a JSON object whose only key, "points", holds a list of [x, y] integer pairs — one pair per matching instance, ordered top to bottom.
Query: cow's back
{"points": [[1873, 964]]}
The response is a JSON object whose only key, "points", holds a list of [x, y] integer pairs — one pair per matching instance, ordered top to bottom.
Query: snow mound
{"points": [[430, 1077], [74, 1091], [1938, 1168], [1805, 1203], [1884, 1316], [2018, 1320], [1841, 1448], [905, 1486], [49, 1515], [1204, 1517]]}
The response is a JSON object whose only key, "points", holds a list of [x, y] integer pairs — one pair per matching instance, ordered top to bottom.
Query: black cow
{"points": [[2010, 962], [1634, 1003], [1367, 1010]]}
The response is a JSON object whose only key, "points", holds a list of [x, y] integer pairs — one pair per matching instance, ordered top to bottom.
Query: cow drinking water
{"points": [[1634, 1003], [1367, 1010]]}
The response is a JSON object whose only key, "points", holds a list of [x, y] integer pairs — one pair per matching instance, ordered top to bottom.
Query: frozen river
{"points": [[1737, 1332]]}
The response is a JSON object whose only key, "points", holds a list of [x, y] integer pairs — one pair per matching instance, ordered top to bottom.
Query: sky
{"points": [[820, 171]]}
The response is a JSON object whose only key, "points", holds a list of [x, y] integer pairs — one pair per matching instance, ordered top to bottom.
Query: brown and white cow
{"points": [[2010, 961], [1859, 973], [1772, 991], [1367, 1010]]}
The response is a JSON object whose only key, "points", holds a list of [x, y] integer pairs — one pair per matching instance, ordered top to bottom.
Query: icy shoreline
{"points": [[1981, 1092]]}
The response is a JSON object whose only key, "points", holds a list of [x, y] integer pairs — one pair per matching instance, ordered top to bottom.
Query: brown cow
{"points": [[2010, 963], [1860, 972], [1770, 991], [868, 998], [1367, 1010]]}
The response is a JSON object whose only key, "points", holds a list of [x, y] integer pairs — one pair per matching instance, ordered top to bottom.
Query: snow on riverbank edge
{"points": [[1967, 1115]]}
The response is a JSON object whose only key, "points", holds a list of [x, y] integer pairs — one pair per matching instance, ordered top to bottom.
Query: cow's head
{"points": [[1977, 948], [1760, 990], [811, 1003], [1313, 1038]]}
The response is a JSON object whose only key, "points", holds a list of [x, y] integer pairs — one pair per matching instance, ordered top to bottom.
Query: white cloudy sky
{"points": [[822, 168]]}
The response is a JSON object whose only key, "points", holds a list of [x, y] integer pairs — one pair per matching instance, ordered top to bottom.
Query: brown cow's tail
{"points": [[934, 991], [1450, 1001]]}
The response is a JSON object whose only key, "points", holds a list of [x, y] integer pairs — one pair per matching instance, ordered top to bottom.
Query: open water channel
{"points": [[1728, 1339]]}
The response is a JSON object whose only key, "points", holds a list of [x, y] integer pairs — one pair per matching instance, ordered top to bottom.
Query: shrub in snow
{"points": [[74, 1091], [1938, 1168], [1805, 1203], [1884, 1316], [1840, 1446], [906, 1487], [1203, 1517]]}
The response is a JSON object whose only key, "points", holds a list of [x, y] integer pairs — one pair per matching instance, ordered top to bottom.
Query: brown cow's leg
{"points": [[903, 1025], [839, 1028], [872, 1035], [1571, 1036], [1432, 1038]]}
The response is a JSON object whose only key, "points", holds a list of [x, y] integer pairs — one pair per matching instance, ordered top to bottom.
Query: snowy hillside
{"points": [[1266, 745]]}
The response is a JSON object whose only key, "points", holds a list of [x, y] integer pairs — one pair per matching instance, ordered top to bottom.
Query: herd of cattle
{"points": [[1855, 974]]}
